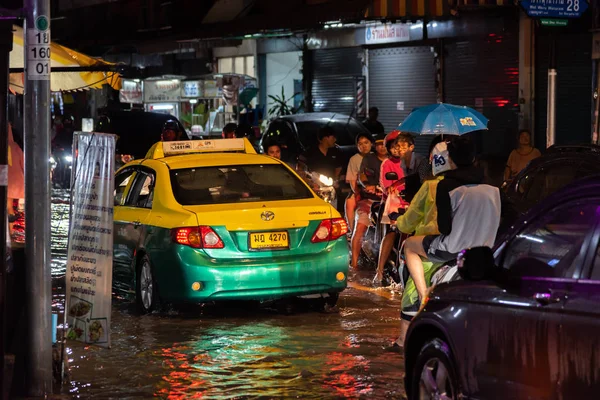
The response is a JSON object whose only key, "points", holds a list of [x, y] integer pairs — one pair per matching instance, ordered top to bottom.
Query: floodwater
{"points": [[238, 350]]}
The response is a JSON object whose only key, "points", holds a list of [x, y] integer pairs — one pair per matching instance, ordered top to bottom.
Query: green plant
{"points": [[279, 105]]}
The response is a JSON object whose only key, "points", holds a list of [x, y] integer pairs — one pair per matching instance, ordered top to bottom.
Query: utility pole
{"points": [[5, 48], [551, 117], [38, 366]]}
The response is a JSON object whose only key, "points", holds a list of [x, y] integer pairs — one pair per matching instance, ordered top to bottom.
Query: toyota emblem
{"points": [[267, 215]]}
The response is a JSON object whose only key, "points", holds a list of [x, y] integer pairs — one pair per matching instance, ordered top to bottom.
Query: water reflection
{"points": [[234, 351]]}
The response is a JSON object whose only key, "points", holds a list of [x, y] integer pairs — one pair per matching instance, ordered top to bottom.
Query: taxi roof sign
{"points": [[166, 149]]}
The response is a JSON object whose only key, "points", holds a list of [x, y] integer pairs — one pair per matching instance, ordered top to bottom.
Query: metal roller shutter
{"points": [[483, 73], [335, 75], [400, 79], [573, 88]]}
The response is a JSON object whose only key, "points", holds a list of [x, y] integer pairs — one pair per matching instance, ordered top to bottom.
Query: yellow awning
{"points": [[62, 57]]}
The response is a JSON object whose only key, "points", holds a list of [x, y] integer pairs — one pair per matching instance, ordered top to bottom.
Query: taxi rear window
{"points": [[236, 184]]}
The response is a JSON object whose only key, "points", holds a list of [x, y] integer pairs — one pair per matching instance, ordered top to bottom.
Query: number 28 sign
{"points": [[554, 8], [38, 50]]}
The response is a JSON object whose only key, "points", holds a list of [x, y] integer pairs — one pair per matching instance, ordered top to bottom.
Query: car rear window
{"points": [[236, 184]]}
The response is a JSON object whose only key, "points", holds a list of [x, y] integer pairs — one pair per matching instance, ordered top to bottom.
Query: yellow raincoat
{"points": [[421, 216]]}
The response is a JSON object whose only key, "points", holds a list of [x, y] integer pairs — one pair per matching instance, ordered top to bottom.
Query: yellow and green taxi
{"points": [[208, 220]]}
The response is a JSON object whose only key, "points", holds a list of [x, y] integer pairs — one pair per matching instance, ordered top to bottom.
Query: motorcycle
{"points": [[61, 164], [321, 184], [324, 187]]}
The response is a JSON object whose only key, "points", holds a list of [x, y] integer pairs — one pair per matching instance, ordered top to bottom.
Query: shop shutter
{"points": [[336, 72], [483, 73], [400, 79], [573, 90]]}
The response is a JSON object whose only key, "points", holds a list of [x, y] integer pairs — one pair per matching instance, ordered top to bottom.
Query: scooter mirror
{"points": [[391, 176]]}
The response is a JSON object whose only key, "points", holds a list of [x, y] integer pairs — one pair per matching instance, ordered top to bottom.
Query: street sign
{"points": [[554, 8], [553, 22], [38, 50]]}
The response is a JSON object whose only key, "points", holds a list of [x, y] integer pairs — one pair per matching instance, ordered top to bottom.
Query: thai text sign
{"points": [[387, 33], [166, 90], [131, 92], [90, 253]]}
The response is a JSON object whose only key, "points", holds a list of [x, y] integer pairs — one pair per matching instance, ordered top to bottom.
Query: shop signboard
{"points": [[387, 33], [191, 89], [211, 89], [165, 90], [131, 91], [90, 252]]}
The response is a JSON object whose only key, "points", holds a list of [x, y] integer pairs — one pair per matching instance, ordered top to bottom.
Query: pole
{"points": [[5, 48], [596, 102], [551, 117], [38, 366]]}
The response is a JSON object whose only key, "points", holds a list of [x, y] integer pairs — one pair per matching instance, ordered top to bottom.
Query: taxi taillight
{"points": [[330, 229], [198, 237]]}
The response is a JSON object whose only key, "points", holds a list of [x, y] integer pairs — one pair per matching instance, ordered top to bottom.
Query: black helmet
{"points": [[172, 125], [244, 130]]}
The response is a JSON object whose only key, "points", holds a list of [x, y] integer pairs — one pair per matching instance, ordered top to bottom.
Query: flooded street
{"points": [[238, 350]]}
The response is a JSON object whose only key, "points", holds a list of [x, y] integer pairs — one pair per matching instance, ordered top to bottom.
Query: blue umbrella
{"points": [[446, 119]]}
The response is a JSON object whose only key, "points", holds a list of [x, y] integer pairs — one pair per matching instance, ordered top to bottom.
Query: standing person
{"points": [[372, 124], [364, 144], [521, 156]]}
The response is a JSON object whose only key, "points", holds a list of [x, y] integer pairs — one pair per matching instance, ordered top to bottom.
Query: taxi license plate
{"points": [[269, 241]]}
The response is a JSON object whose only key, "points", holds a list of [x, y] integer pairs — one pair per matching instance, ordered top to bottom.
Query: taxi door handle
{"points": [[137, 223]]}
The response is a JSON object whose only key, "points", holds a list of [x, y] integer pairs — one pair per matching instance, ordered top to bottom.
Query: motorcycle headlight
{"points": [[68, 159], [325, 180]]}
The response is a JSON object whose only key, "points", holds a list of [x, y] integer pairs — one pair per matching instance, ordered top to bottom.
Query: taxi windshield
{"points": [[236, 184]]}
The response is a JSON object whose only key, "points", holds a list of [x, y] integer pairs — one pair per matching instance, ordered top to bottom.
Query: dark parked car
{"points": [[137, 131], [299, 132], [557, 167], [524, 322]]}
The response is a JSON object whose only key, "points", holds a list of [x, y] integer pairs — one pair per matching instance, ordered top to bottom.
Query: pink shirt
{"points": [[390, 165]]}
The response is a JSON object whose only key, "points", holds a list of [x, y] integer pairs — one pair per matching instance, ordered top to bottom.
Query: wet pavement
{"points": [[238, 350]]}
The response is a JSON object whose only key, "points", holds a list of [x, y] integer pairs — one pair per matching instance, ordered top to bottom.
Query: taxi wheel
{"points": [[146, 293], [326, 303]]}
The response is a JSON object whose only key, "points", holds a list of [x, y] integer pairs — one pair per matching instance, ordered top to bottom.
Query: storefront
{"points": [[401, 71], [336, 76], [163, 94]]}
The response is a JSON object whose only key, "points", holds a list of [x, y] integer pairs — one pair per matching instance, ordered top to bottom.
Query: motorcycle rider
{"points": [[171, 131], [229, 131], [364, 143], [325, 157], [411, 165], [390, 188], [468, 214], [421, 218]]}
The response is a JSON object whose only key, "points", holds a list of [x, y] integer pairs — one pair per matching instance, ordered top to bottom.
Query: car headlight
{"points": [[68, 159]]}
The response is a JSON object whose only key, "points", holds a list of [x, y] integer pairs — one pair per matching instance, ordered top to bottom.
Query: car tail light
{"points": [[330, 229], [200, 237]]}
